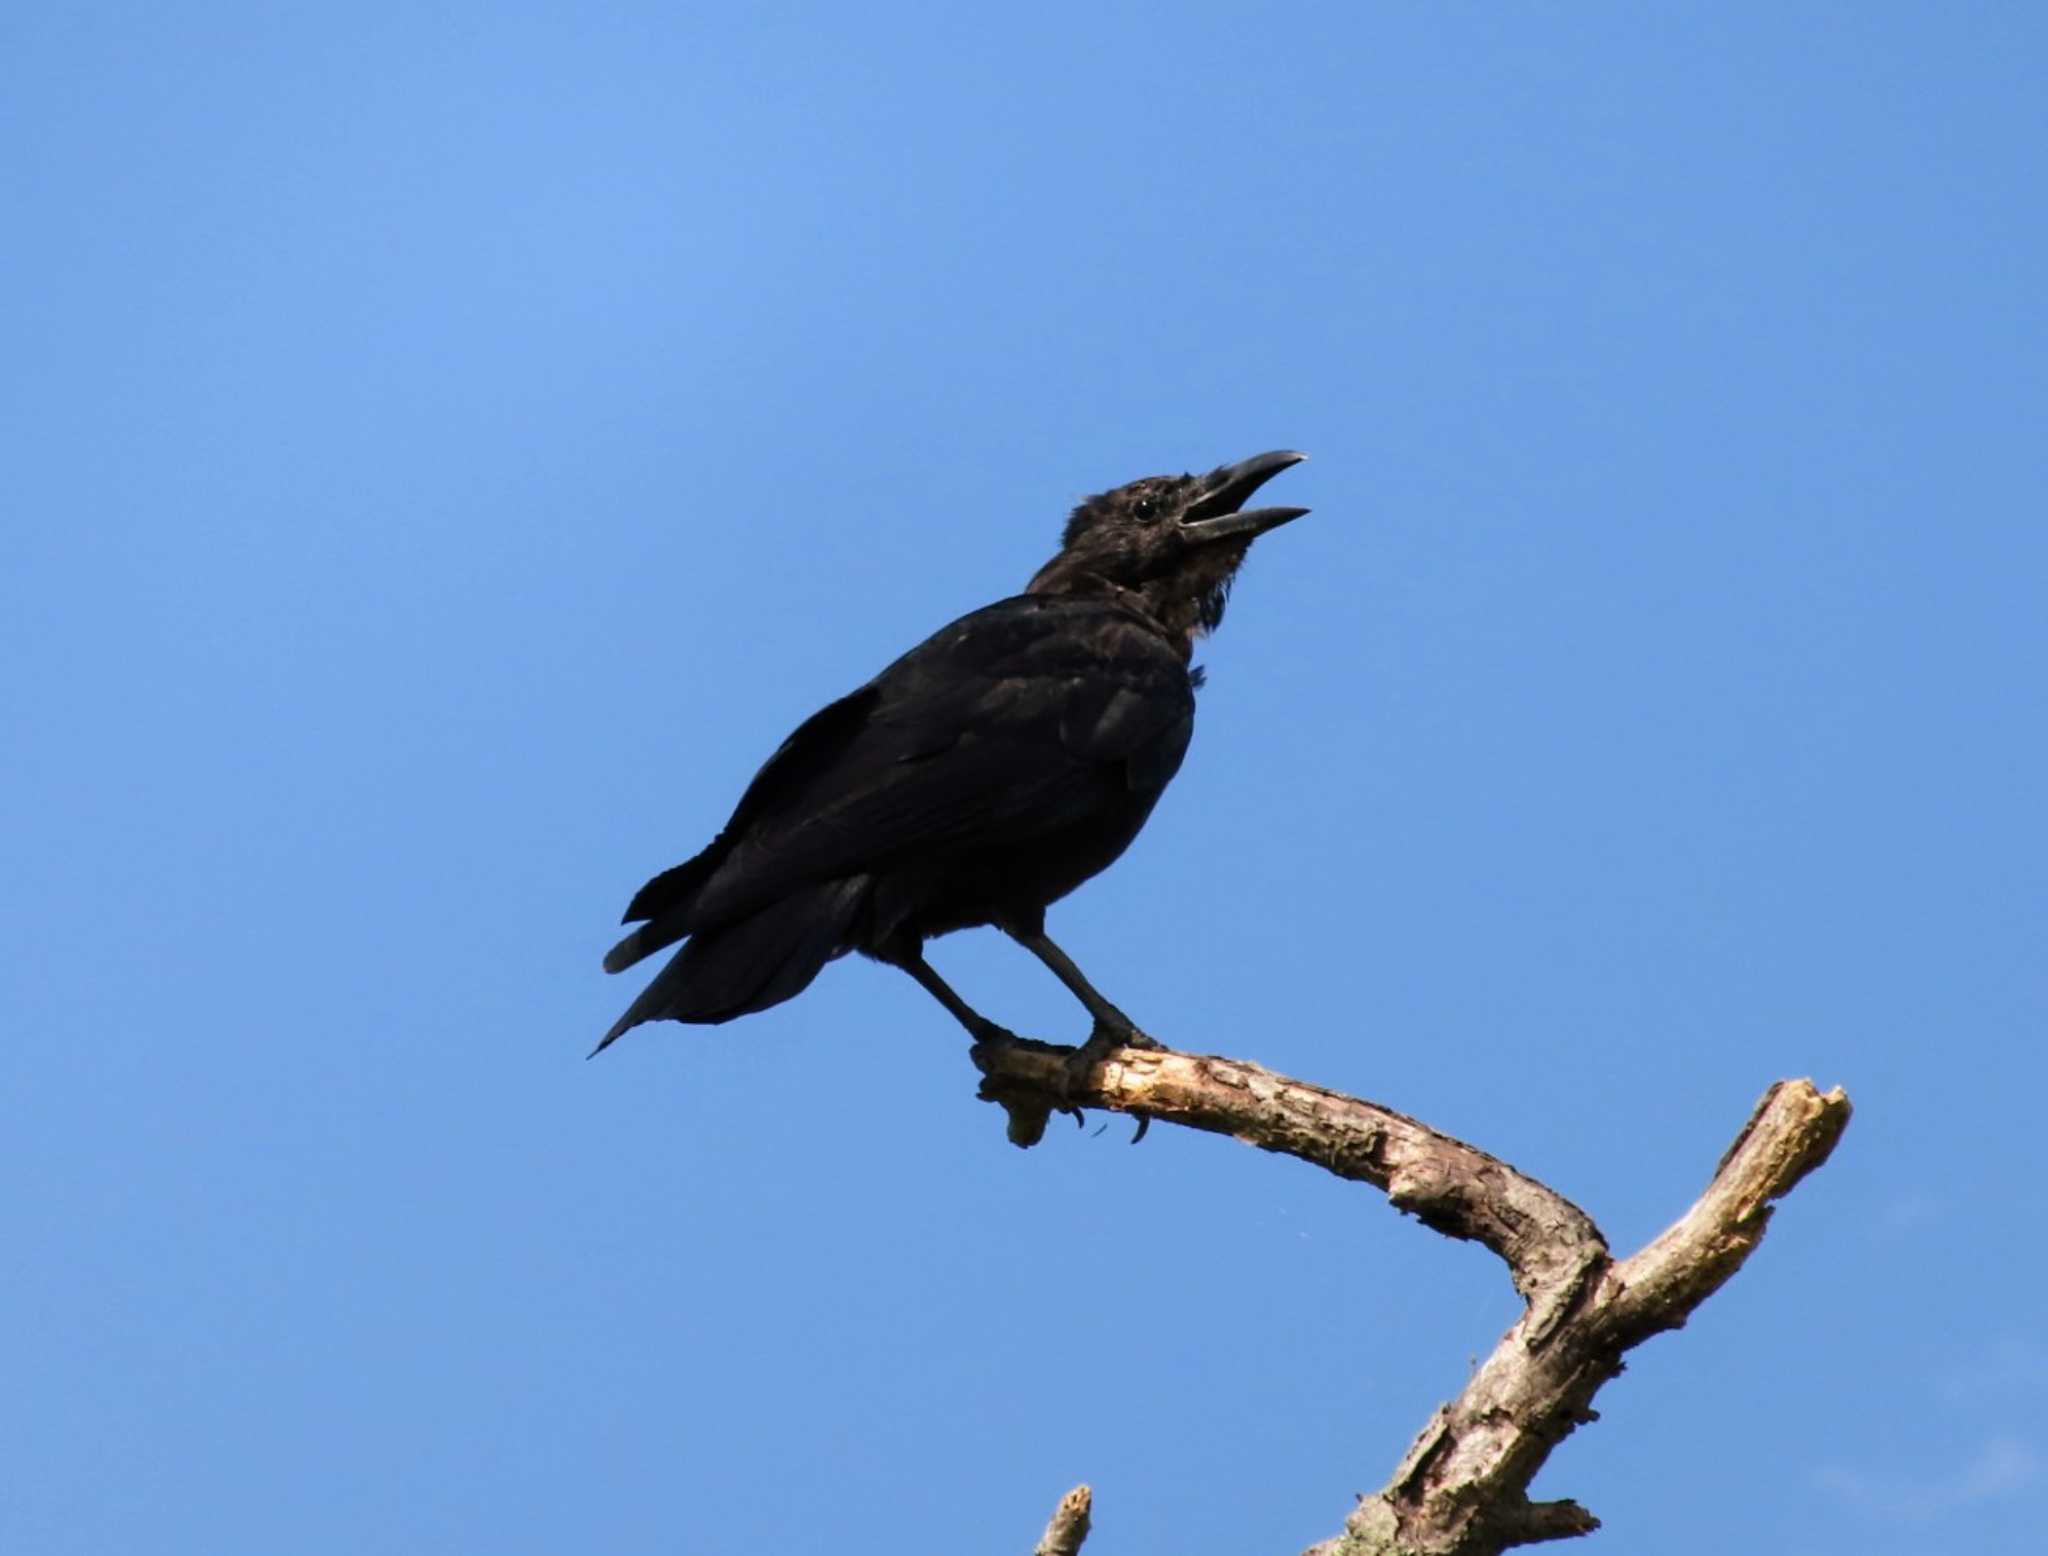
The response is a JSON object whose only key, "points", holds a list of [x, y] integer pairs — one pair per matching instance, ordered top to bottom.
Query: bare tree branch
{"points": [[1462, 1488], [1069, 1525]]}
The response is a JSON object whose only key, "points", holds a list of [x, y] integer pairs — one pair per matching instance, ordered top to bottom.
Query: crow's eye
{"points": [[1146, 509]]}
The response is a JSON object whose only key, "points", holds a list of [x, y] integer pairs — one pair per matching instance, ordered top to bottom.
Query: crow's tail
{"points": [[748, 966]]}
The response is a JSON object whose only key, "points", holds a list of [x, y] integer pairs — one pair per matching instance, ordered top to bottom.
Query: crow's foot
{"points": [[983, 1030], [1118, 1031], [1107, 1037]]}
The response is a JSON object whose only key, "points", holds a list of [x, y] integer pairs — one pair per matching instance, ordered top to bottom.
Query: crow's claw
{"points": [[985, 1031], [1119, 1033]]}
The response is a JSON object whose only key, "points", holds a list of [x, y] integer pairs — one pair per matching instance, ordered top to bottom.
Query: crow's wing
{"points": [[1013, 723], [811, 748]]}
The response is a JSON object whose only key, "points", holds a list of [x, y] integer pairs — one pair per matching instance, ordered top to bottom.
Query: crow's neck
{"points": [[1175, 616]]}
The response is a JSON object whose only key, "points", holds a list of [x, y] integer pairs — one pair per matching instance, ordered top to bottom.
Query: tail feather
{"points": [[674, 888], [665, 902], [642, 942], [747, 966]]}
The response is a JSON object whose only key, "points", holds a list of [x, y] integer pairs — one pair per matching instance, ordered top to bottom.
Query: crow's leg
{"points": [[978, 1026], [1113, 1029]]}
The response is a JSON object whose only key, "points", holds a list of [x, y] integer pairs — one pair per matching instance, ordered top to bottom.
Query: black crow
{"points": [[981, 777]]}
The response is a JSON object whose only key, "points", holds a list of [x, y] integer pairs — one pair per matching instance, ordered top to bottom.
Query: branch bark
{"points": [[1462, 1488], [1068, 1527]]}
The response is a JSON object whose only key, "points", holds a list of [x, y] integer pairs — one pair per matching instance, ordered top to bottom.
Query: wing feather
{"points": [[1000, 728]]}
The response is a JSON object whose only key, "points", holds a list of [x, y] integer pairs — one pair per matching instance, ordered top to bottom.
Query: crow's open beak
{"points": [[1219, 512]]}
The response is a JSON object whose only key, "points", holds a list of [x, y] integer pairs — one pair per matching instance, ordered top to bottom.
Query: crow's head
{"points": [[1176, 541]]}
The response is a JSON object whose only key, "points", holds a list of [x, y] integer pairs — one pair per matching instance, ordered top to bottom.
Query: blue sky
{"points": [[409, 410]]}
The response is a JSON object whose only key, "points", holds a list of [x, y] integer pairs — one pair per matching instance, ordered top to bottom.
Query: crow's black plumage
{"points": [[982, 776]]}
